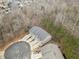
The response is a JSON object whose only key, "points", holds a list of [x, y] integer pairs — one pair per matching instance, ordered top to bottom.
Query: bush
{"points": [[68, 43]]}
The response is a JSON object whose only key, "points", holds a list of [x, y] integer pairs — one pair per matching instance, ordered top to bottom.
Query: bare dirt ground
{"points": [[10, 40], [7, 43]]}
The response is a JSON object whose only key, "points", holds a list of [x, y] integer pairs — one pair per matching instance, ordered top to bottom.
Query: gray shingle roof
{"points": [[39, 33], [19, 50]]}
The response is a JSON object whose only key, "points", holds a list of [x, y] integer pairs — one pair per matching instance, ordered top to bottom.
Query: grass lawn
{"points": [[69, 44]]}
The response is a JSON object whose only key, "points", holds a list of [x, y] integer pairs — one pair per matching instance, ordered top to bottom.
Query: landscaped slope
{"points": [[67, 42]]}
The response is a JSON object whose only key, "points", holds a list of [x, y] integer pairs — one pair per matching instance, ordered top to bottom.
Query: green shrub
{"points": [[69, 43]]}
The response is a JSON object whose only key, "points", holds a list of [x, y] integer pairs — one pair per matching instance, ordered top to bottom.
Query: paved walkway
{"points": [[1, 55]]}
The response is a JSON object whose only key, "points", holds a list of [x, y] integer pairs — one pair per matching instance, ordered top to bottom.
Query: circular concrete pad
{"points": [[19, 50]]}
